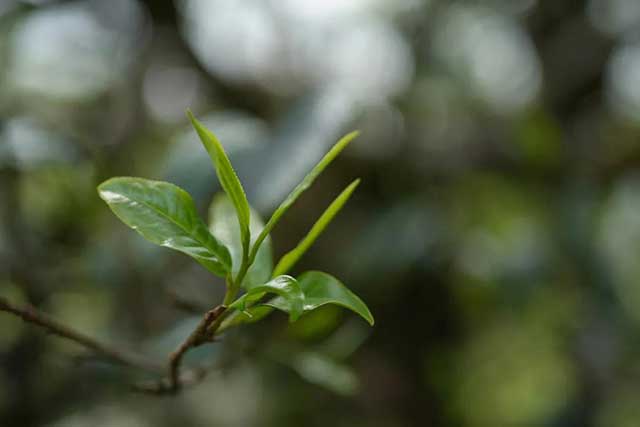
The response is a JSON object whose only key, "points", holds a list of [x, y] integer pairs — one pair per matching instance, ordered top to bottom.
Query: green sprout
{"points": [[236, 243]]}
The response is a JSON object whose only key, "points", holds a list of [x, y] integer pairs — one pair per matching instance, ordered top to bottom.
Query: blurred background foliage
{"points": [[495, 236]]}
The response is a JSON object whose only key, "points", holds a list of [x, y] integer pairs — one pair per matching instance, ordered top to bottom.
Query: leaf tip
{"points": [[194, 122], [345, 140], [103, 186], [370, 320]]}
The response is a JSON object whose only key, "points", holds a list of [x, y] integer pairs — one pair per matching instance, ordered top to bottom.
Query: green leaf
{"points": [[228, 179], [300, 188], [165, 215], [224, 226], [288, 260], [286, 287], [321, 288], [249, 315], [321, 370]]}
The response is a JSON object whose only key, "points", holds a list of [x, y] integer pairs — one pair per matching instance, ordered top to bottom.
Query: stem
{"points": [[255, 248], [233, 286], [230, 295], [30, 314], [204, 332], [199, 336]]}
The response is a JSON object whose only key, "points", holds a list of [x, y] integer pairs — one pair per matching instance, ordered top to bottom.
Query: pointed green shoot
{"points": [[228, 179], [300, 188], [223, 224], [288, 260]]}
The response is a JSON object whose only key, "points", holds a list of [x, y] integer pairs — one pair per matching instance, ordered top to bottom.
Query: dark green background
{"points": [[495, 235]]}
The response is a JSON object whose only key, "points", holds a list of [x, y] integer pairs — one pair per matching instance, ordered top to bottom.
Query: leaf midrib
{"points": [[151, 207]]}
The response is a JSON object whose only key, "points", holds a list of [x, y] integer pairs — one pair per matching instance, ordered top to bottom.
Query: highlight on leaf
{"points": [[165, 214], [286, 287], [321, 288]]}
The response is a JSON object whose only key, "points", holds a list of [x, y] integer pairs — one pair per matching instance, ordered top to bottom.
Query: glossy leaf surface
{"points": [[227, 177], [165, 215], [224, 226], [289, 259], [286, 287], [321, 288]]}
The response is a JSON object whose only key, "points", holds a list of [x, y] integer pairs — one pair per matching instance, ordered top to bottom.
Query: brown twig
{"points": [[30, 314], [204, 332], [201, 334], [163, 386]]}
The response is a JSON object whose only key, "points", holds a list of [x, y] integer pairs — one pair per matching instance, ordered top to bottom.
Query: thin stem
{"points": [[255, 248], [233, 286], [232, 289], [32, 315], [214, 327], [203, 333], [198, 337], [163, 386]]}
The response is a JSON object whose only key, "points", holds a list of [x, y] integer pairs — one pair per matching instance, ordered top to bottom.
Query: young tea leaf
{"points": [[228, 179], [300, 188], [165, 215], [224, 226], [288, 260], [286, 287], [321, 288], [249, 315]]}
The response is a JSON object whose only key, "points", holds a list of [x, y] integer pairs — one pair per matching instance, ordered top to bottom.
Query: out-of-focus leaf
{"points": [[228, 179], [300, 188], [165, 215], [224, 226], [289, 259], [286, 287], [321, 288], [317, 324], [321, 370]]}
